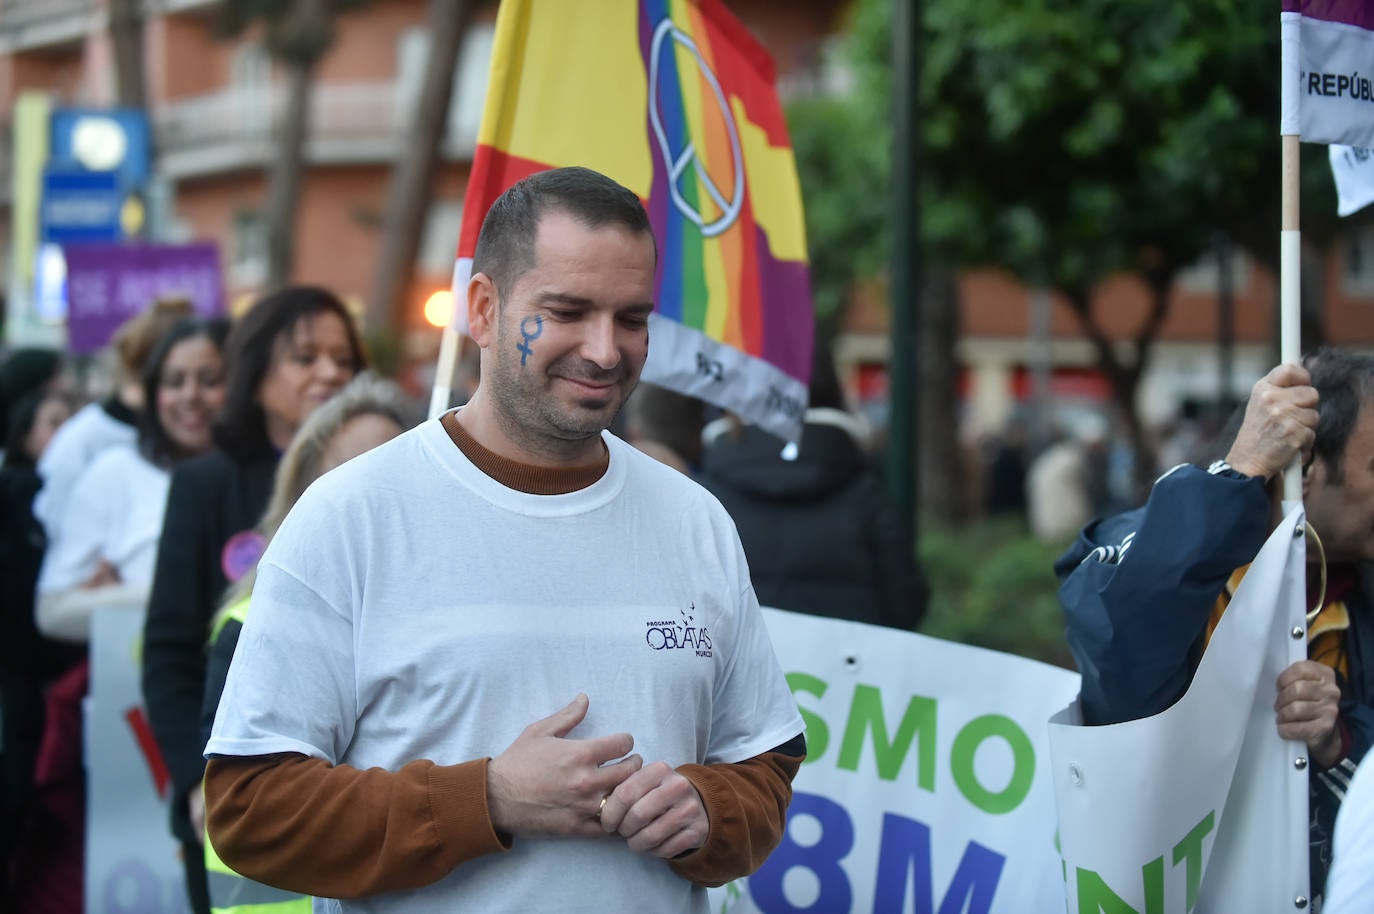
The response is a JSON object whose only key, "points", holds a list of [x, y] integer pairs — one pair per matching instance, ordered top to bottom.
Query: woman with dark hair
{"points": [[292, 351], [26, 371], [113, 422], [107, 538], [101, 558], [28, 662]]}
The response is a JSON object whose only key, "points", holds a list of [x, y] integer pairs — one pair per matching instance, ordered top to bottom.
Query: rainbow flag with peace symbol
{"points": [[675, 100]]}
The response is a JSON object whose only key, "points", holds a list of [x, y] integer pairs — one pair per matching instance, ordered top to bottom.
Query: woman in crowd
{"points": [[292, 351], [30, 370], [368, 412], [113, 422], [107, 539], [102, 557], [28, 662]]}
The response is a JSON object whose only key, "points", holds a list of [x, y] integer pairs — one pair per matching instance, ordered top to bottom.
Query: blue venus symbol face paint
{"points": [[523, 347]]}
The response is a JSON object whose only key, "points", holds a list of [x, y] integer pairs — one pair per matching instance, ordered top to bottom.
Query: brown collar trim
{"points": [[522, 477]]}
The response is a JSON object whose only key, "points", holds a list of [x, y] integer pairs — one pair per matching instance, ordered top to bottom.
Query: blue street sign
{"points": [[96, 139], [80, 206]]}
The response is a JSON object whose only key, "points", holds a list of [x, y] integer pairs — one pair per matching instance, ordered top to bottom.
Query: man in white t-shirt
{"points": [[458, 639], [1350, 885]]}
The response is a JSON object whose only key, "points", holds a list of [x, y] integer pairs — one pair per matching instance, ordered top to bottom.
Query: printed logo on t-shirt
{"points": [[678, 635]]}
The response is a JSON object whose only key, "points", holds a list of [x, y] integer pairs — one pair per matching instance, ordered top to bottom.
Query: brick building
{"points": [[212, 103]]}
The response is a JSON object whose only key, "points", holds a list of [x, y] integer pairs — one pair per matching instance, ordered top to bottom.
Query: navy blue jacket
{"points": [[1138, 590]]}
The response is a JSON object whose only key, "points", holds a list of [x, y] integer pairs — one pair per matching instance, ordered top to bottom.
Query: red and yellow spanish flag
{"points": [[675, 100]]}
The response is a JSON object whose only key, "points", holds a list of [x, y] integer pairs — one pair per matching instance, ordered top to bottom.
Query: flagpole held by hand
{"points": [[1290, 287]]}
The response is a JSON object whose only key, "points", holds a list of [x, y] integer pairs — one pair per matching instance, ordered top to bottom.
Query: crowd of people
{"points": [[164, 495], [159, 497], [432, 666]]}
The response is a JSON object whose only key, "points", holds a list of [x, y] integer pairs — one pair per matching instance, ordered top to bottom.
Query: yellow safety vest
{"points": [[231, 893]]}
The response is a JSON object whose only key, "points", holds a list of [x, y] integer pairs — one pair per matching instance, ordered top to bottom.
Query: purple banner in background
{"points": [[109, 283]]}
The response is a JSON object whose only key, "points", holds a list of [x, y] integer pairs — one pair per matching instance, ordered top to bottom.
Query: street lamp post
{"points": [[906, 261]]}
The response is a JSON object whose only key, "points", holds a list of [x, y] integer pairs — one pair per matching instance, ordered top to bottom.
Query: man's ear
{"points": [[482, 304]]}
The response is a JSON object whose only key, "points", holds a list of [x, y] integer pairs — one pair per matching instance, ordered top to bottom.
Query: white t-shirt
{"points": [[72, 449], [114, 514], [411, 607], [1350, 885]]}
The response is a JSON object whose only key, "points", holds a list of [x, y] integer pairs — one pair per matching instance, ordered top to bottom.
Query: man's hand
{"points": [[1280, 423], [1308, 707], [547, 784], [658, 811]]}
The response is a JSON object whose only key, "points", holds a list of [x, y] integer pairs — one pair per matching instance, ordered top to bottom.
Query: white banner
{"points": [[1328, 79], [1353, 169], [929, 785], [925, 787], [1201, 807], [133, 865]]}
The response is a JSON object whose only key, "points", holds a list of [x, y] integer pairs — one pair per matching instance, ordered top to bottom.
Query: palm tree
{"points": [[297, 34], [126, 35], [409, 193]]}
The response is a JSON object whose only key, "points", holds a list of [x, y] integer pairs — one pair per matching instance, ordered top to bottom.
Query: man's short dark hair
{"points": [[505, 246], [1345, 386]]}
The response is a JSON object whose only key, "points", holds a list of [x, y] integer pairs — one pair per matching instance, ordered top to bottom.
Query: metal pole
{"points": [[906, 261], [1226, 327], [1041, 366]]}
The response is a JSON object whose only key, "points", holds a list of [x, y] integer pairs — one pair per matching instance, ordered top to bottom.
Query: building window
{"points": [[250, 68], [818, 70], [469, 79], [250, 88], [470, 90], [439, 245], [248, 249], [1204, 276], [1358, 276]]}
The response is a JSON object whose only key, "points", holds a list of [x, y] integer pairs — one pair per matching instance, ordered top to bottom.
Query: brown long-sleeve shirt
{"points": [[302, 824], [336, 831]]}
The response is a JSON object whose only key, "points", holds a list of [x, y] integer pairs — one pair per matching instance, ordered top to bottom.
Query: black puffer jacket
{"points": [[818, 531]]}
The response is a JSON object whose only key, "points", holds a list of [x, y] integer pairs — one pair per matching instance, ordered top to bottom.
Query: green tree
{"points": [[1067, 144]]}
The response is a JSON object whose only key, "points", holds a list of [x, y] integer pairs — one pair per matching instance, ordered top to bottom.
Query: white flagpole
{"points": [[1290, 237], [1290, 288], [451, 343], [1290, 351]]}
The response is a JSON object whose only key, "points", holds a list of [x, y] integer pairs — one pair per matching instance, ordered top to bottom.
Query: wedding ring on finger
{"points": [[602, 808]]}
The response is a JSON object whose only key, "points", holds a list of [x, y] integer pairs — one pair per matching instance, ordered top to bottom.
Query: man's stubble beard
{"points": [[529, 413]]}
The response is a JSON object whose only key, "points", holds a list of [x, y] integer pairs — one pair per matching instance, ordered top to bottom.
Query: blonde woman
{"points": [[366, 413]]}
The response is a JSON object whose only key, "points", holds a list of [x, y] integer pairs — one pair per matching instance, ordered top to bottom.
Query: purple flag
{"points": [[109, 283]]}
